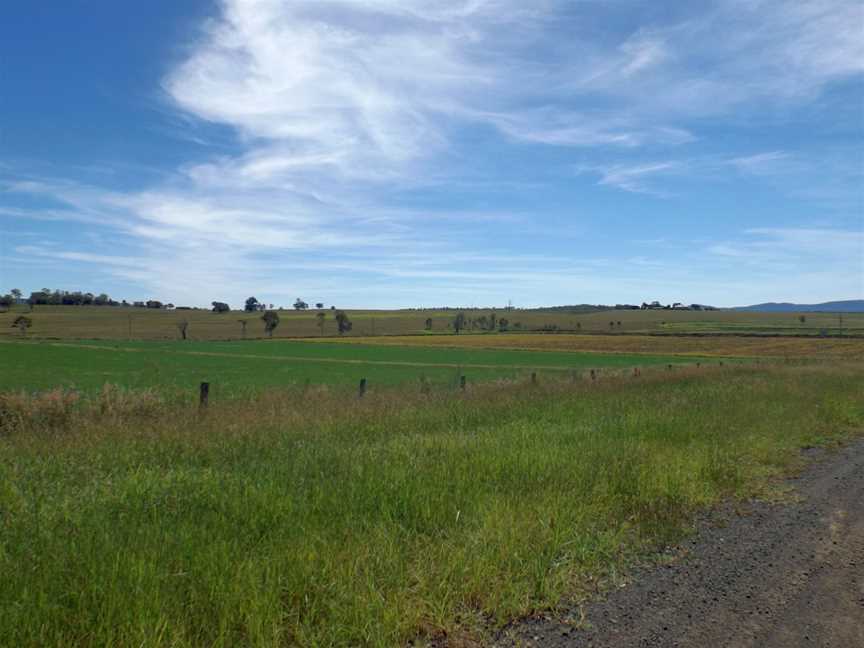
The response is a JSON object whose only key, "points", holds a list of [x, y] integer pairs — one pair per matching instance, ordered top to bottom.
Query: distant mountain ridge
{"points": [[847, 306]]}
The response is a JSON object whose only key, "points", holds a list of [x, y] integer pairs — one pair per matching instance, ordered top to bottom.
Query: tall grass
{"points": [[312, 518]]}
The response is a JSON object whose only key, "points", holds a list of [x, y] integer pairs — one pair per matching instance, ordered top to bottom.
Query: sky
{"points": [[408, 153]]}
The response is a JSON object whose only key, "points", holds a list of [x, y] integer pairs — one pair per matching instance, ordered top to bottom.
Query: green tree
{"points": [[16, 293], [252, 305], [321, 317], [271, 321], [459, 322], [22, 323], [343, 323], [428, 323], [183, 326]]}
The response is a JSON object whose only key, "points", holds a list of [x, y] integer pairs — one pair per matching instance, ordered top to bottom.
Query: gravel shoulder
{"points": [[759, 575]]}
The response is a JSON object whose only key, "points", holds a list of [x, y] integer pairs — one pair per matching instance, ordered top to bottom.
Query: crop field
{"points": [[115, 323], [706, 346], [236, 368], [290, 512]]}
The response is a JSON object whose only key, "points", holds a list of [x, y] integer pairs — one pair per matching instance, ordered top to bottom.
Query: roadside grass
{"points": [[237, 368], [308, 517]]}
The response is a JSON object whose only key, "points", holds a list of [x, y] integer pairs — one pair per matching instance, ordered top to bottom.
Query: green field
{"points": [[235, 368], [292, 513], [309, 519]]}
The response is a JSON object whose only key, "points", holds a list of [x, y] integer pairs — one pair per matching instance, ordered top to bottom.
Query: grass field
{"points": [[87, 322], [707, 346], [237, 368], [292, 513], [304, 518]]}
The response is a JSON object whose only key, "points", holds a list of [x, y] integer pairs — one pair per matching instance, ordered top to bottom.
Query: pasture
{"points": [[116, 323], [238, 368], [290, 512]]}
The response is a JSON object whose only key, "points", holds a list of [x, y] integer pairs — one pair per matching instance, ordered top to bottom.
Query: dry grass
{"points": [[71, 322], [724, 346]]}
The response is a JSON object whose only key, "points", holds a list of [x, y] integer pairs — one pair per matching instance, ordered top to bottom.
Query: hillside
{"points": [[847, 306]]}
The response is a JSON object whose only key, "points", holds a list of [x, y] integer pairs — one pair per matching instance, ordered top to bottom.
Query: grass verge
{"points": [[307, 517]]}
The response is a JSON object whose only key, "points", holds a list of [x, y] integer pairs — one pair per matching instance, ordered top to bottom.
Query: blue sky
{"points": [[389, 153]]}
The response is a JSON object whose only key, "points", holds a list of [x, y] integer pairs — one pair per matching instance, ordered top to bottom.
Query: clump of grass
{"points": [[47, 411], [310, 517]]}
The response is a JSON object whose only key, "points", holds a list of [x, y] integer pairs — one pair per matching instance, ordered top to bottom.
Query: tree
{"points": [[16, 294], [7, 300], [153, 303], [251, 305], [300, 305], [319, 305], [220, 307], [321, 317], [271, 321], [459, 322], [492, 322], [23, 323], [343, 323], [428, 323], [503, 324], [183, 326], [243, 327]]}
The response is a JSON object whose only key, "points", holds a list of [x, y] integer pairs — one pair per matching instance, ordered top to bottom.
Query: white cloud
{"points": [[339, 104], [634, 178]]}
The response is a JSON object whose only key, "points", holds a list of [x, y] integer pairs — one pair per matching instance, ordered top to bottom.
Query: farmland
{"points": [[114, 323], [235, 368], [290, 512], [305, 518]]}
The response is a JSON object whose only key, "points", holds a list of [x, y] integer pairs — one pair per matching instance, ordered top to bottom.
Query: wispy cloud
{"points": [[342, 108]]}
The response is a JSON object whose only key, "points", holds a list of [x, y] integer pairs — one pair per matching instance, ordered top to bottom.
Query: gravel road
{"points": [[761, 576]]}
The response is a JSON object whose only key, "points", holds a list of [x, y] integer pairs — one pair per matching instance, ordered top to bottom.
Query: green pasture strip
{"points": [[239, 366], [340, 522]]}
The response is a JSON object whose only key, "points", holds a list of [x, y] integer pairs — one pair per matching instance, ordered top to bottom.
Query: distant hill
{"points": [[848, 306]]}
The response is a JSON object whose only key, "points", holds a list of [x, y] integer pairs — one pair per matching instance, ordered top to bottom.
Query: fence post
{"points": [[635, 372], [593, 375], [462, 382], [361, 391], [204, 395]]}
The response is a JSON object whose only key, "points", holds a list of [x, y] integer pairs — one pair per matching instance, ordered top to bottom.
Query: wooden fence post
{"points": [[361, 391], [204, 395]]}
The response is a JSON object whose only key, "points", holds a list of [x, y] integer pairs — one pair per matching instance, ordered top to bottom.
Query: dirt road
{"points": [[765, 576]]}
